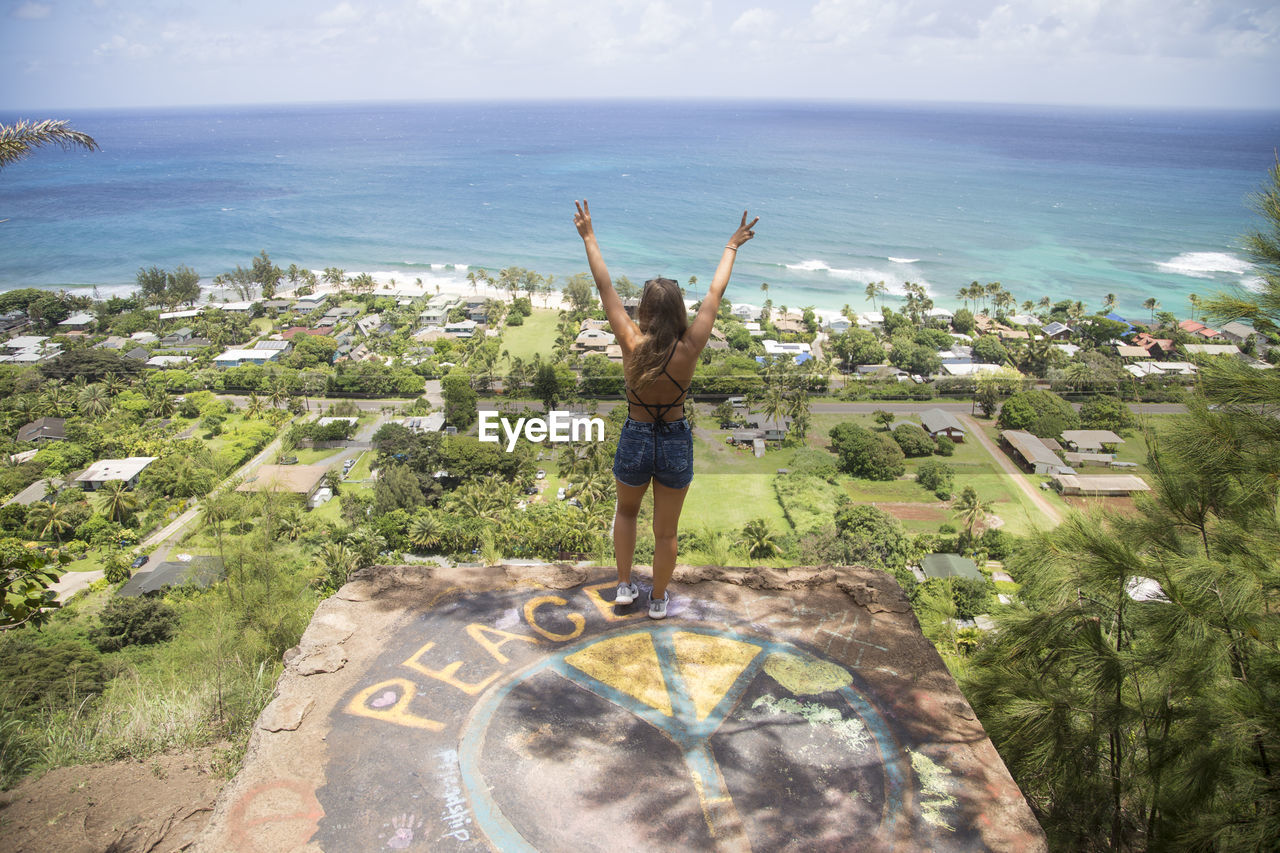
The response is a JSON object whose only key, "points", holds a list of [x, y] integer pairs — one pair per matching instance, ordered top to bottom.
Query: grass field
{"points": [[537, 335]]}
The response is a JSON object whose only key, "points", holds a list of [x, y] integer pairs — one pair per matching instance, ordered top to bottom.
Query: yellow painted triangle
{"points": [[629, 664], [710, 666]]}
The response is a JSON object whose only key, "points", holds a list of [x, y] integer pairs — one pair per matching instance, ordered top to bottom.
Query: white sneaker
{"points": [[627, 593], [658, 606]]}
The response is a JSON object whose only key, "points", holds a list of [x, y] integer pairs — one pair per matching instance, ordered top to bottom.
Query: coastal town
{"points": [[175, 463]]}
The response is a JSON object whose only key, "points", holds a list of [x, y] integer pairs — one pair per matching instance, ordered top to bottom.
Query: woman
{"points": [[659, 353]]}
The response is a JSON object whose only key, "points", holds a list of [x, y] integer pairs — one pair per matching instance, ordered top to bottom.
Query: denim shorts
{"points": [[661, 451]]}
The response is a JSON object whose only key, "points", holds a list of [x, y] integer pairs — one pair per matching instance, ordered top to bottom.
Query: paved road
{"points": [[1006, 464]]}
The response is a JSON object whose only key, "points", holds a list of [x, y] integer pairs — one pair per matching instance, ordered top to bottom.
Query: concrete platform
{"points": [[517, 709]]}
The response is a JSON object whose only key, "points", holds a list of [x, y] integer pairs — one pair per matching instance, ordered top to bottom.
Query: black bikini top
{"points": [[658, 411]]}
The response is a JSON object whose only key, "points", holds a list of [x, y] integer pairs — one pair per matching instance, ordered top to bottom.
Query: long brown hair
{"points": [[662, 319]]}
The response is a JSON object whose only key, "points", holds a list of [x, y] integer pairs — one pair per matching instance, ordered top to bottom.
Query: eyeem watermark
{"points": [[561, 427]]}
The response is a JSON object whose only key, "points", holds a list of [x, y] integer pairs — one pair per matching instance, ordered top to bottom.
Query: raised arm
{"points": [[700, 328], [625, 330]]}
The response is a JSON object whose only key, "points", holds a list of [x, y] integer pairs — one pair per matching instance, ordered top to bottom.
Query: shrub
{"points": [[1041, 413], [913, 440], [945, 446], [863, 453], [935, 476], [133, 621]]}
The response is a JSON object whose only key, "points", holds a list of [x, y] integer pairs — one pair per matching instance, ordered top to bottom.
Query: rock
{"points": [[330, 659], [285, 713]]}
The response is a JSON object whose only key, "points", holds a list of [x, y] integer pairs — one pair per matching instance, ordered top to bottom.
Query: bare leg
{"points": [[667, 504], [624, 527]]}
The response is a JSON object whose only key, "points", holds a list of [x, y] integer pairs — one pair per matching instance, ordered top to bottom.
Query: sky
{"points": [[145, 53]]}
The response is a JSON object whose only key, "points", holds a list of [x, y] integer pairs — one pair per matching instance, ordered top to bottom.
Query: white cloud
{"points": [[32, 11], [342, 15], [755, 23]]}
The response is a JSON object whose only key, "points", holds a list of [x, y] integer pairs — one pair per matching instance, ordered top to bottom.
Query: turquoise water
{"points": [[1059, 202]]}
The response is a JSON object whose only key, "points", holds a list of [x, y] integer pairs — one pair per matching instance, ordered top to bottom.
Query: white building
{"points": [[104, 470]]}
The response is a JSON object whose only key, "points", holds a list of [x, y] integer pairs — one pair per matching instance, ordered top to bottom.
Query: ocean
{"points": [[1061, 202]]}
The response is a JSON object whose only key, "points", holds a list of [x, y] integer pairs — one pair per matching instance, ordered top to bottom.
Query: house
{"points": [[277, 304], [307, 304], [631, 305], [241, 307], [745, 312], [480, 314], [940, 314], [179, 315], [434, 316], [1116, 318], [872, 320], [1025, 320], [11, 321], [78, 322], [790, 325], [838, 325], [1192, 327], [753, 328], [461, 329], [1057, 331], [290, 332], [1237, 332], [1013, 335], [144, 337], [178, 337], [593, 340], [113, 342], [1154, 346], [284, 347], [29, 349], [1069, 349], [1211, 349], [1126, 351], [799, 352], [138, 354], [958, 354], [235, 357], [168, 361], [972, 369], [938, 422], [430, 423], [44, 429], [770, 429], [1090, 440], [1033, 453], [1081, 460], [128, 469], [304, 480], [1099, 485], [37, 492], [939, 566], [199, 571]]}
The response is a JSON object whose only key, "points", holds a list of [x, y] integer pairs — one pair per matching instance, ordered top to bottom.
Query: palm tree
{"points": [[17, 140], [873, 289], [1108, 303], [1152, 304], [1078, 375], [93, 400], [161, 403], [253, 405], [115, 501], [971, 510], [50, 520], [425, 529], [760, 540]]}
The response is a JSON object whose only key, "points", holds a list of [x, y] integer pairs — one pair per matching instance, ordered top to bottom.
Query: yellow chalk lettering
{"points": [[530, 616], [478, 632], [447, 675], [397, 713]]}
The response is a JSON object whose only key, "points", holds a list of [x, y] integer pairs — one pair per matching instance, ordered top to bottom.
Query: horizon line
{"points": [[659, 99]]}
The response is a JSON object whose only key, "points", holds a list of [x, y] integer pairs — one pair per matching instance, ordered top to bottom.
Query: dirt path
{"points": [[1006, 464]]}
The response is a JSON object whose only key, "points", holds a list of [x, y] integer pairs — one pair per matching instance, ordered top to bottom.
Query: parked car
{"points": [[540, 475], [560, 494], [140, 561]]}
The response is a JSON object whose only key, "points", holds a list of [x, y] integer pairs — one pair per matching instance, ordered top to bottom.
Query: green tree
{"points": [[580, 292], [459, 398], [1106, 412], [1041, 413], [913, 440], [863, 453], [936, 476], [396, 488], [115, 501], [971, 510], [50, 520], [760, 540], [25, 577], [136, 621]]}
